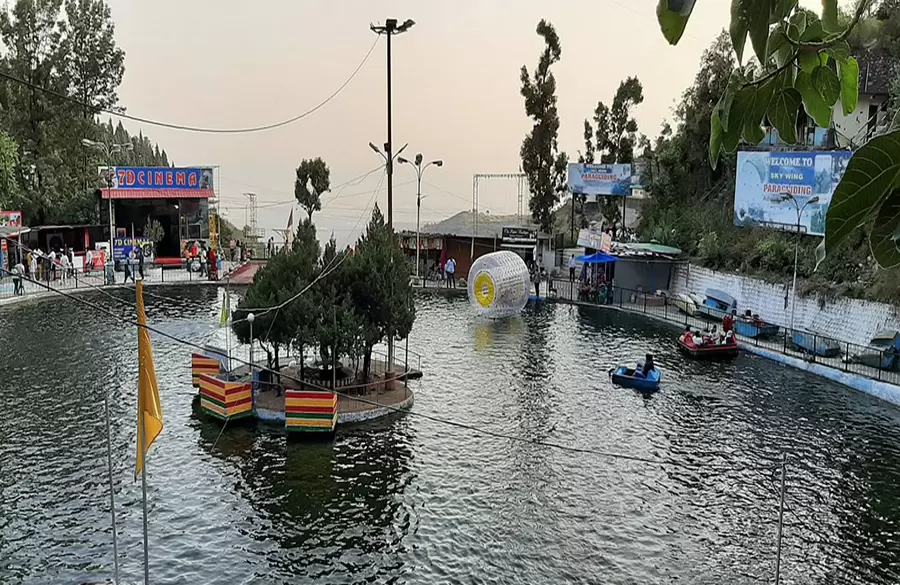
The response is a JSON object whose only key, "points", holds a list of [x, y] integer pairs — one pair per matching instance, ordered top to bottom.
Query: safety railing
{"points": [[72, 279], [878, 363]]}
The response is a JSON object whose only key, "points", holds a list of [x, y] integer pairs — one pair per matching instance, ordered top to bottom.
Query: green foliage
{"points": [[9, 161], [542, 162], [313, 180], [154, 231]]}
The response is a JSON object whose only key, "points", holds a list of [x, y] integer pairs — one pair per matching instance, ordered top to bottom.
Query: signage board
{"points": [[162, 178], [592, 179], [770, 185], [10, 218], [519, 235], [596, 240], [123, 246]]}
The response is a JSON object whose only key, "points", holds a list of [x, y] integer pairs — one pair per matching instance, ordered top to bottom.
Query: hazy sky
{"points": [[456, 90]]}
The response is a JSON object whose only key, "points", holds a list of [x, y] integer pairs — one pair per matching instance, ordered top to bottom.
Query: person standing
{"points": [[232, 244], [129, 258], [140, 262], [33, 265], [51, 265], [572, 265], [65, 267], [451, 272], [18, 274], [536, 279], [728, 321]]}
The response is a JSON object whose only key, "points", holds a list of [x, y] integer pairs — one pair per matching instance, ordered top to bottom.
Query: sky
{"points": [[228, 64]]}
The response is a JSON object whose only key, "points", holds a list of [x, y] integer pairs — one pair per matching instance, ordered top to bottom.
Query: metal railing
{"points": [[74, 279], [841, 355]]}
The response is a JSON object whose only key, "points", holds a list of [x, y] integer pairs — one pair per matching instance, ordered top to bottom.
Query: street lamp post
{"points": [[389, 29], [108, 150], [420, 169], [800, 209], [250, 318]]}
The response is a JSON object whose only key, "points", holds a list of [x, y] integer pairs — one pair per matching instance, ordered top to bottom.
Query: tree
{"points": [[804, 59], [613, 135], [543, 164], [9, 167], [313, 179], [153, 230]]}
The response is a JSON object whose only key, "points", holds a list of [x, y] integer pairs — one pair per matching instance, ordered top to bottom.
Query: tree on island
{"points": [[544, 165]]}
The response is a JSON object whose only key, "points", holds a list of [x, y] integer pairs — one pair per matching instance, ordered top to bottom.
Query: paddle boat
{"points": [[688, 303], [716, 305], [752, 327], [813, 344], [710, 350], [883, 352], [635, 378]]}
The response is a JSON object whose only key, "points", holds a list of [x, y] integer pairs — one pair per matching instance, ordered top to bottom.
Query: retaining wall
{"points": [[845, 319]]}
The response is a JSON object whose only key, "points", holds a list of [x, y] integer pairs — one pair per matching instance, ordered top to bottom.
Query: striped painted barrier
{"points": [[202, 364], [225, 400], [310, 411]]}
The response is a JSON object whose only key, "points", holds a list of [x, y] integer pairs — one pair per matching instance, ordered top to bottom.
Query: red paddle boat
{"points": [[708, 349]]}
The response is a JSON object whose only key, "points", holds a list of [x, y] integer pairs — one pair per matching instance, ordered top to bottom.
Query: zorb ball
{"points": [[499, 284]]}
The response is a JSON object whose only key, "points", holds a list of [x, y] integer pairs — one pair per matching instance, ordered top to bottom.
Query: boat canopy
{"points": [[596, 258], [720, 296], [886, 337]]}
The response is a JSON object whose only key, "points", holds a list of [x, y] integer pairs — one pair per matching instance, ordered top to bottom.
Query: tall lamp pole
{"points": [[389, 29], [108, 150], [420, 169], [800, 209]]}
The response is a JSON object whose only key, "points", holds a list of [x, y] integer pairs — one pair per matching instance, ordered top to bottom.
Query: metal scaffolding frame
{"points": [[521, 182]]}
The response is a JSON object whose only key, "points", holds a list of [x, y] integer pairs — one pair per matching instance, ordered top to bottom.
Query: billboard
{"points": [[198, 178], [763, 178], [591, 179], [10, 218], [519, 235], [595, 239]]}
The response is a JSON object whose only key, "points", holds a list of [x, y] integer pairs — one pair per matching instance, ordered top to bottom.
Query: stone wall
{"points": [[844, 319]]}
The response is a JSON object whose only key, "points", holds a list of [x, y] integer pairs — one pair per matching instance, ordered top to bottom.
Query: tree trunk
{"points": [[367, 363]]}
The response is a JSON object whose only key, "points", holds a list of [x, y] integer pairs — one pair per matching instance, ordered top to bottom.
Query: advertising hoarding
{"points": [[763, 177], [192, 178], [592, 179], [10, 218], [519, 235], [595, 239]]}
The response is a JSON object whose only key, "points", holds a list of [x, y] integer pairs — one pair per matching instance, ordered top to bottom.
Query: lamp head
{"points": [[407, 24], [375, 148], [419, 159], [402, 160], [438, 163], [813, 200], [251, 317]]}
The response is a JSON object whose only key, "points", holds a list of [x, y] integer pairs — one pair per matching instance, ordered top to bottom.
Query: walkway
{"points": [[80, 281], [663, 309]]}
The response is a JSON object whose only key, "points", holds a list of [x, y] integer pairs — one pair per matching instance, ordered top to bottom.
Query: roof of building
{"points": [[876, 69], [489, 226], [650, 249]]}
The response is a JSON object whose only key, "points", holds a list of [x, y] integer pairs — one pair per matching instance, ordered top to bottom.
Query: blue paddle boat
{"points": [[716, 305], [813, 344], [628, 378]]}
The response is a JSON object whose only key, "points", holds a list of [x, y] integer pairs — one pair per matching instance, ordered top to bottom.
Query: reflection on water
{"points": [[414, 501]]}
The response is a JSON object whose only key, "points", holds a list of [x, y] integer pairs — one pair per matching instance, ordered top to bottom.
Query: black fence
{"points": [[74, 279], [878, 363]]}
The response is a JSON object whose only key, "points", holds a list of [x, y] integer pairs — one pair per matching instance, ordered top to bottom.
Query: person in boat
{"points": [[728, 321], [687, 336], [729, 338], [649, 366]]}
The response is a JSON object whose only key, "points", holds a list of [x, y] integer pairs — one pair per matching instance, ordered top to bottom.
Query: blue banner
{"points": [[162, 178], [589, 179], [771, 187], [122, 247]]}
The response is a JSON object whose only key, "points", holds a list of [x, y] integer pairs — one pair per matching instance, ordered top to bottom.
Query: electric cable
{"points": [[142, 120]]}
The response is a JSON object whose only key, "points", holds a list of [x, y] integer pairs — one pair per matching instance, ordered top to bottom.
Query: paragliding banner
{"points": [[589, 179], [770, 186]]}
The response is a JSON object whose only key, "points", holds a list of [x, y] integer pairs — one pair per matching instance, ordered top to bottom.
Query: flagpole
{"points": [[144, 492], [112, 493]]}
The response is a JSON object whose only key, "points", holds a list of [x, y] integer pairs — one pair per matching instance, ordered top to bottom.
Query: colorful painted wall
{"points": [[201, 364], [225, 400], [310, 411]]}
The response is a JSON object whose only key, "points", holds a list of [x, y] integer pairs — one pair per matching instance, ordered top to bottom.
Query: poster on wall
{"points": [[591, 179], [763, 179], [10, 218]]}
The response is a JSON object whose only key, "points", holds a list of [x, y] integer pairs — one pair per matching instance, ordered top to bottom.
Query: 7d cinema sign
{"points": [[163, 178]]}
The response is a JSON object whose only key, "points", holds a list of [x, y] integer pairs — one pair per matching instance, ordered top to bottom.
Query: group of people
{"points": [[204, 257], [445, 273], [725, 336], [642, 370]]}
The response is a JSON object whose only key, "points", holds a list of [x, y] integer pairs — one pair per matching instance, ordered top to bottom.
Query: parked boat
{"points": [[686, 304], [716, 305], [754, 328], [815, 344], [711, 351], [883, 351], [627, 377]]}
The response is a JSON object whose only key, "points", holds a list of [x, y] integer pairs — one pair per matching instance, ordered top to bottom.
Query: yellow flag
{"points": [[226, 310], [149, 410]]}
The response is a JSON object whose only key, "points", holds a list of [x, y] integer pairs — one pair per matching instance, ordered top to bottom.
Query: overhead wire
{"points": [[151, 122]]}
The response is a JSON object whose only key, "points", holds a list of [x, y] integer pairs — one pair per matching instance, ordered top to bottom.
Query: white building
{"points": [[875, 74]]}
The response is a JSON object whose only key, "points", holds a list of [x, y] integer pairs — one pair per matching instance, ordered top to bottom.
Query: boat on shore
{"points": [[688, 303], [716, 305], [752, 327], [816, 345], [709, 351], [883, 352], [628, 378]]}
